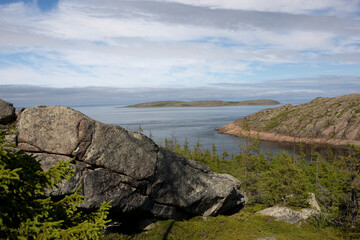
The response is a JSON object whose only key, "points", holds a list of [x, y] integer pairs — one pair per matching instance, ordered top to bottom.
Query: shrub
{"points": [[26, 212]]}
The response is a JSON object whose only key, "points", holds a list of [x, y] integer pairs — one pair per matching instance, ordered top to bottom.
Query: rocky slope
{"points": [[205, 103], [334, 121], [142, 179]]}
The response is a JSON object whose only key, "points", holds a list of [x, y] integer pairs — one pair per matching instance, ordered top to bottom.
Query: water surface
{"points": [[191, 123]]}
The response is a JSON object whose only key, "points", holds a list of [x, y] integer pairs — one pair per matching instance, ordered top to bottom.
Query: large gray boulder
{"points": [[7, 112], [142, 179]]}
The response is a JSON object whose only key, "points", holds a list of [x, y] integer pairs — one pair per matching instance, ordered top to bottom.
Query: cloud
{"points": [[294, 6], [178, 44], [287, 91]]}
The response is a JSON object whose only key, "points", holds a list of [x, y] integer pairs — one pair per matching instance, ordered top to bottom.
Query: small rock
{"points": [[313, 203], [288, 215], [147, 224]]}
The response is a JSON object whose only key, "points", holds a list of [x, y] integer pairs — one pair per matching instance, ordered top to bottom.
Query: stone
{"points": [[7, 112], [40, 128], [142, 179], [313, 203], [288, 215], [147, 224]]}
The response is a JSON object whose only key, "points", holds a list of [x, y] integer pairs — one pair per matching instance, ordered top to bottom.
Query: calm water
{"points": [[195, 124]]}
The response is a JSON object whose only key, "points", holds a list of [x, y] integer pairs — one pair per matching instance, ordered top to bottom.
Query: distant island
{"points": [[204, 103], [334, 121]]}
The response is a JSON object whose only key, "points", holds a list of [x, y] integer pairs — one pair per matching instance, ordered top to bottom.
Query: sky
{"points": [[84, 52]]}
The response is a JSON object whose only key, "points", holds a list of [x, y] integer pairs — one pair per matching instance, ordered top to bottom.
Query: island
{"points": [[203, 103], [333, 121]]}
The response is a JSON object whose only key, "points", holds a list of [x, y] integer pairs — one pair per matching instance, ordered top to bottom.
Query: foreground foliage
{"points": [[267, 179], [279, 179], [26, 212], [242, 225]]}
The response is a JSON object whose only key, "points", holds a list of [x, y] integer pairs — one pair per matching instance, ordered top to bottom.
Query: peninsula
{"points": [[204, 103], [333, 121]]}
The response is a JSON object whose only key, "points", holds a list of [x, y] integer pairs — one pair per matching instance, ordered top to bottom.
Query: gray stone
{"points": [[7, 112], [40, 128], [141, 179], [313, 203], [288, 215], [147, 224]]}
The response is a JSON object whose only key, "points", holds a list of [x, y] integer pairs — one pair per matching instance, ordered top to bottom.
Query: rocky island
{"points": [[204, 103], [333, 121]]}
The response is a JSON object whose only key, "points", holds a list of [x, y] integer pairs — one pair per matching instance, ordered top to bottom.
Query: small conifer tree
{"points": [[26, 212]]}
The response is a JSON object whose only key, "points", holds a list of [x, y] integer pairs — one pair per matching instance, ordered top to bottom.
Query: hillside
{"points": [[204, 103], [334, 121]]}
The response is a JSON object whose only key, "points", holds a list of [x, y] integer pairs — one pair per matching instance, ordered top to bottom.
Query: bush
{"points": [[27, 213]]}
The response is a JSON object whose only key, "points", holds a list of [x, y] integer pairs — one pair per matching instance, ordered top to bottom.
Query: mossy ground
{"points": [[245, 224]]}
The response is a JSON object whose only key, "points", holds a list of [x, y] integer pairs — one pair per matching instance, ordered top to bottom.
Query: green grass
{"points": [[275, 121], [242, 225]]}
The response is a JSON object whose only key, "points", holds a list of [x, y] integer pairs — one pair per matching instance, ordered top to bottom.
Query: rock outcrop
{"points": [[7, 112], [333, 121], [142, 179], [289, 215]]}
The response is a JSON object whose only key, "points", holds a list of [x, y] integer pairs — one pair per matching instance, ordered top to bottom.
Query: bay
{"points": [[196, 124]]}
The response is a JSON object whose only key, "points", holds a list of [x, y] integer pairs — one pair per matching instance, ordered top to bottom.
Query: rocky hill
{"points": [[204, 103], [334, 121]]}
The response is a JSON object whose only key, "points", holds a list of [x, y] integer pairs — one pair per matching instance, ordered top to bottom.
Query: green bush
{"points": [[26, 212]]}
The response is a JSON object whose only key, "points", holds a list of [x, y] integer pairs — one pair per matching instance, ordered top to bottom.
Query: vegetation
{"points": [[205, 103], [324, 120], [268, 179], [273, 179], [27, 212], [242, 225]]}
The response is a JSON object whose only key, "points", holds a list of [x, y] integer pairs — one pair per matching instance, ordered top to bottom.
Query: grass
{"points": [[275, 121], [242, 225]]}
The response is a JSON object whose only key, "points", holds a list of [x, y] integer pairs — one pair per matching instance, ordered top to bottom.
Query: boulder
{"points": [[7, 112], [143, 180], [288, 215]]}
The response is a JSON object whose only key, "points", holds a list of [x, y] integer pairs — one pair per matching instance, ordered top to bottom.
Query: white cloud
{"points": [[293, 6], [162, 43]]}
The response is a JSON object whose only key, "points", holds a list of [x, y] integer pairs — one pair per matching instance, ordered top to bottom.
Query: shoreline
{"points": [[235, 130]]}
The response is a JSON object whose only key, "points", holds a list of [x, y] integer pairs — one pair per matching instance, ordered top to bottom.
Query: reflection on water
{"points": [[193, 124]]}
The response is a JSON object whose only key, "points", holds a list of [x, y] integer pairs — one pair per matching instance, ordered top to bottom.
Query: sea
{"points": [[191, 124]]}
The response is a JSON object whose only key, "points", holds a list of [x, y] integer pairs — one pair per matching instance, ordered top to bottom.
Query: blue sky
{"points": [[41, 5], [127, 51]]}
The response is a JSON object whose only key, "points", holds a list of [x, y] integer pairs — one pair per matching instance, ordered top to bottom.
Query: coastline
{"points": [[235, 130]]}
